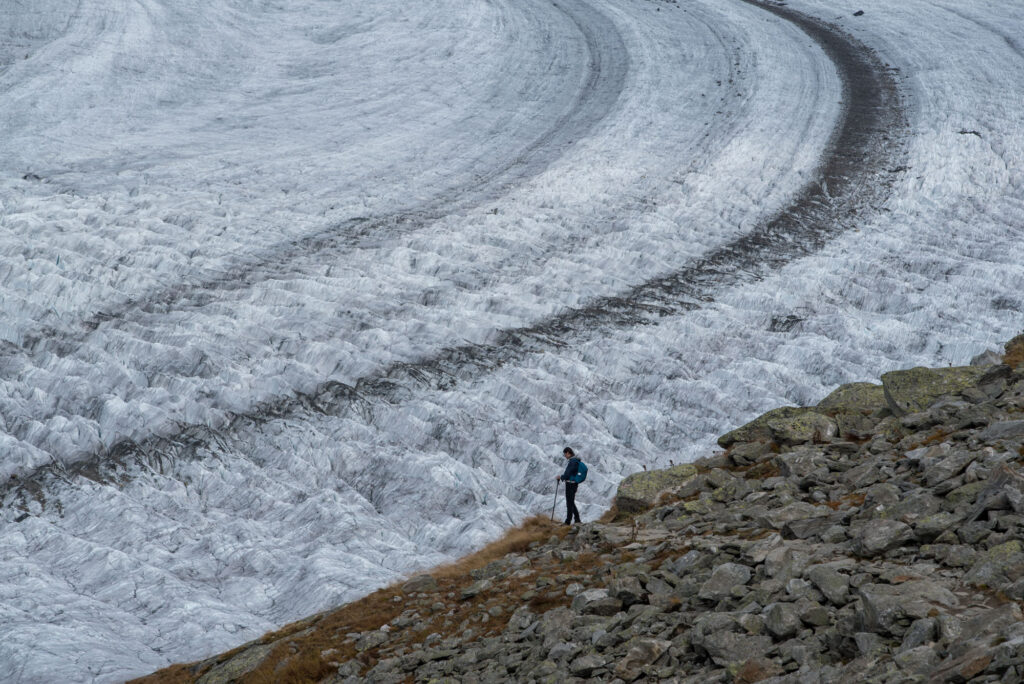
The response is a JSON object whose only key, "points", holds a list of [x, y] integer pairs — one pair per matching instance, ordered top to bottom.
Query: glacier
{"points": [[297, 296]]}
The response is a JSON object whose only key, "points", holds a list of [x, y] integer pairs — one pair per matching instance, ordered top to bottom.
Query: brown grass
{"points": [[1014, 355], [936, 437], [761, 470], [856, 498], [539, 528], [300, 660]]}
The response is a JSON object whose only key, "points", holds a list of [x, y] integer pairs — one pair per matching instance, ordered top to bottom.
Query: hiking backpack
{"points": [[581, 473]]}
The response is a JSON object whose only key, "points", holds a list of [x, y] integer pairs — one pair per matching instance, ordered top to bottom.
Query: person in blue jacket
{"points": [[568, 477]]}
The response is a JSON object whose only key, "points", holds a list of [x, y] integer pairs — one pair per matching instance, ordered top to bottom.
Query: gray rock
{"points": [[988, 357], [915, 389], [856, 397], [1001, 431], [748, 453], [803, 464], [948, 467], [861, 476], [641, 491], [881, 496], [798, 510], [930, 527], [808, 528], [972, 533], [880, 536], [686, 562], [785, 562], [998, 567], [723, 579], [420, 584], [656, 585], [834, 585], [476, 588], [627, 590], [596, 602], [883, 606], [813, 613], [782, 620], [753, 624], [555, 626], [948, 628], [920, 632], [372, 639], [869, 643], [729, 648], [563, 651], [642, 652], [917, 660], [585, 665], [237, 666]]}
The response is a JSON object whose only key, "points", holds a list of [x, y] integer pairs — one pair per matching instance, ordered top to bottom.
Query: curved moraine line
{"points": [[602, 84], [855, 175]]}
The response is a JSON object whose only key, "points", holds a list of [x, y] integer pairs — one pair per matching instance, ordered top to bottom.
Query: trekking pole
{"points": [[555, 502]]}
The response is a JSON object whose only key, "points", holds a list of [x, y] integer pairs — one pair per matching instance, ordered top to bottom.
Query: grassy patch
{"points": [[1014, 355], [309, 650]]}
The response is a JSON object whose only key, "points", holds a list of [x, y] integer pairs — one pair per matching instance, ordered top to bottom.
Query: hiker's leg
{"points": [[570, 502]]}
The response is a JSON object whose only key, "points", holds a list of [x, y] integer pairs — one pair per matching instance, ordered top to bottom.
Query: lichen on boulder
{"points": [[915, 389], [856, 397], [786, 425], [641, 491]]}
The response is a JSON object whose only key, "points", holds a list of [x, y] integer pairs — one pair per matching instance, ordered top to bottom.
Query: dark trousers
{"points": [[570, 502]]}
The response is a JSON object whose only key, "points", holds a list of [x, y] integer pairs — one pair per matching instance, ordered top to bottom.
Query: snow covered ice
{"points": [[300, 297]]}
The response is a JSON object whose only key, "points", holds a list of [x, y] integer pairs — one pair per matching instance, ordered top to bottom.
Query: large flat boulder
{"points": [[915, 389], [856, 397], [786, 425], [641, 491]]}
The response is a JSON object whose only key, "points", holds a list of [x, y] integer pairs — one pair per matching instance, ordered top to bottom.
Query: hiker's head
{"points": [[568, 452]]}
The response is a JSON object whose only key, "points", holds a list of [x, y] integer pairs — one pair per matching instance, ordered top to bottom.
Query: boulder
{"points": [[989, 357], [915, 389], [862, 398], [786, 425], [1003, 430], [641, 491], [798, 510], [879, 536], [998, 567], [723, 579], [420, 584], [834, 585], [476, 588], [627, 590], [596, 602], [884, 606], [782, 620], [731, 649], [642, 652], [917, 660], [238, 665], [585, 665]]}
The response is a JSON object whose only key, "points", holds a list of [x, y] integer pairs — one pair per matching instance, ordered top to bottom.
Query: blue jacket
{"points": [[571, 468]]}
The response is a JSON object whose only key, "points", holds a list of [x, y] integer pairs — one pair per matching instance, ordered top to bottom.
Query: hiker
{"points": [[575, 472]]}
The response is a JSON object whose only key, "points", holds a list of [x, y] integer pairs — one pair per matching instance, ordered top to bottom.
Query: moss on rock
{"points": [[915, 389], [857, 397], [786, 425], [641, 491]]}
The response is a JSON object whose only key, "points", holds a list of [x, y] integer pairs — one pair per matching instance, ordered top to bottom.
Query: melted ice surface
{"points": [[208, 206]]}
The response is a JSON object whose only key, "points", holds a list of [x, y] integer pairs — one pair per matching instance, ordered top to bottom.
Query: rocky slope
{"points": [[875, 537]]}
